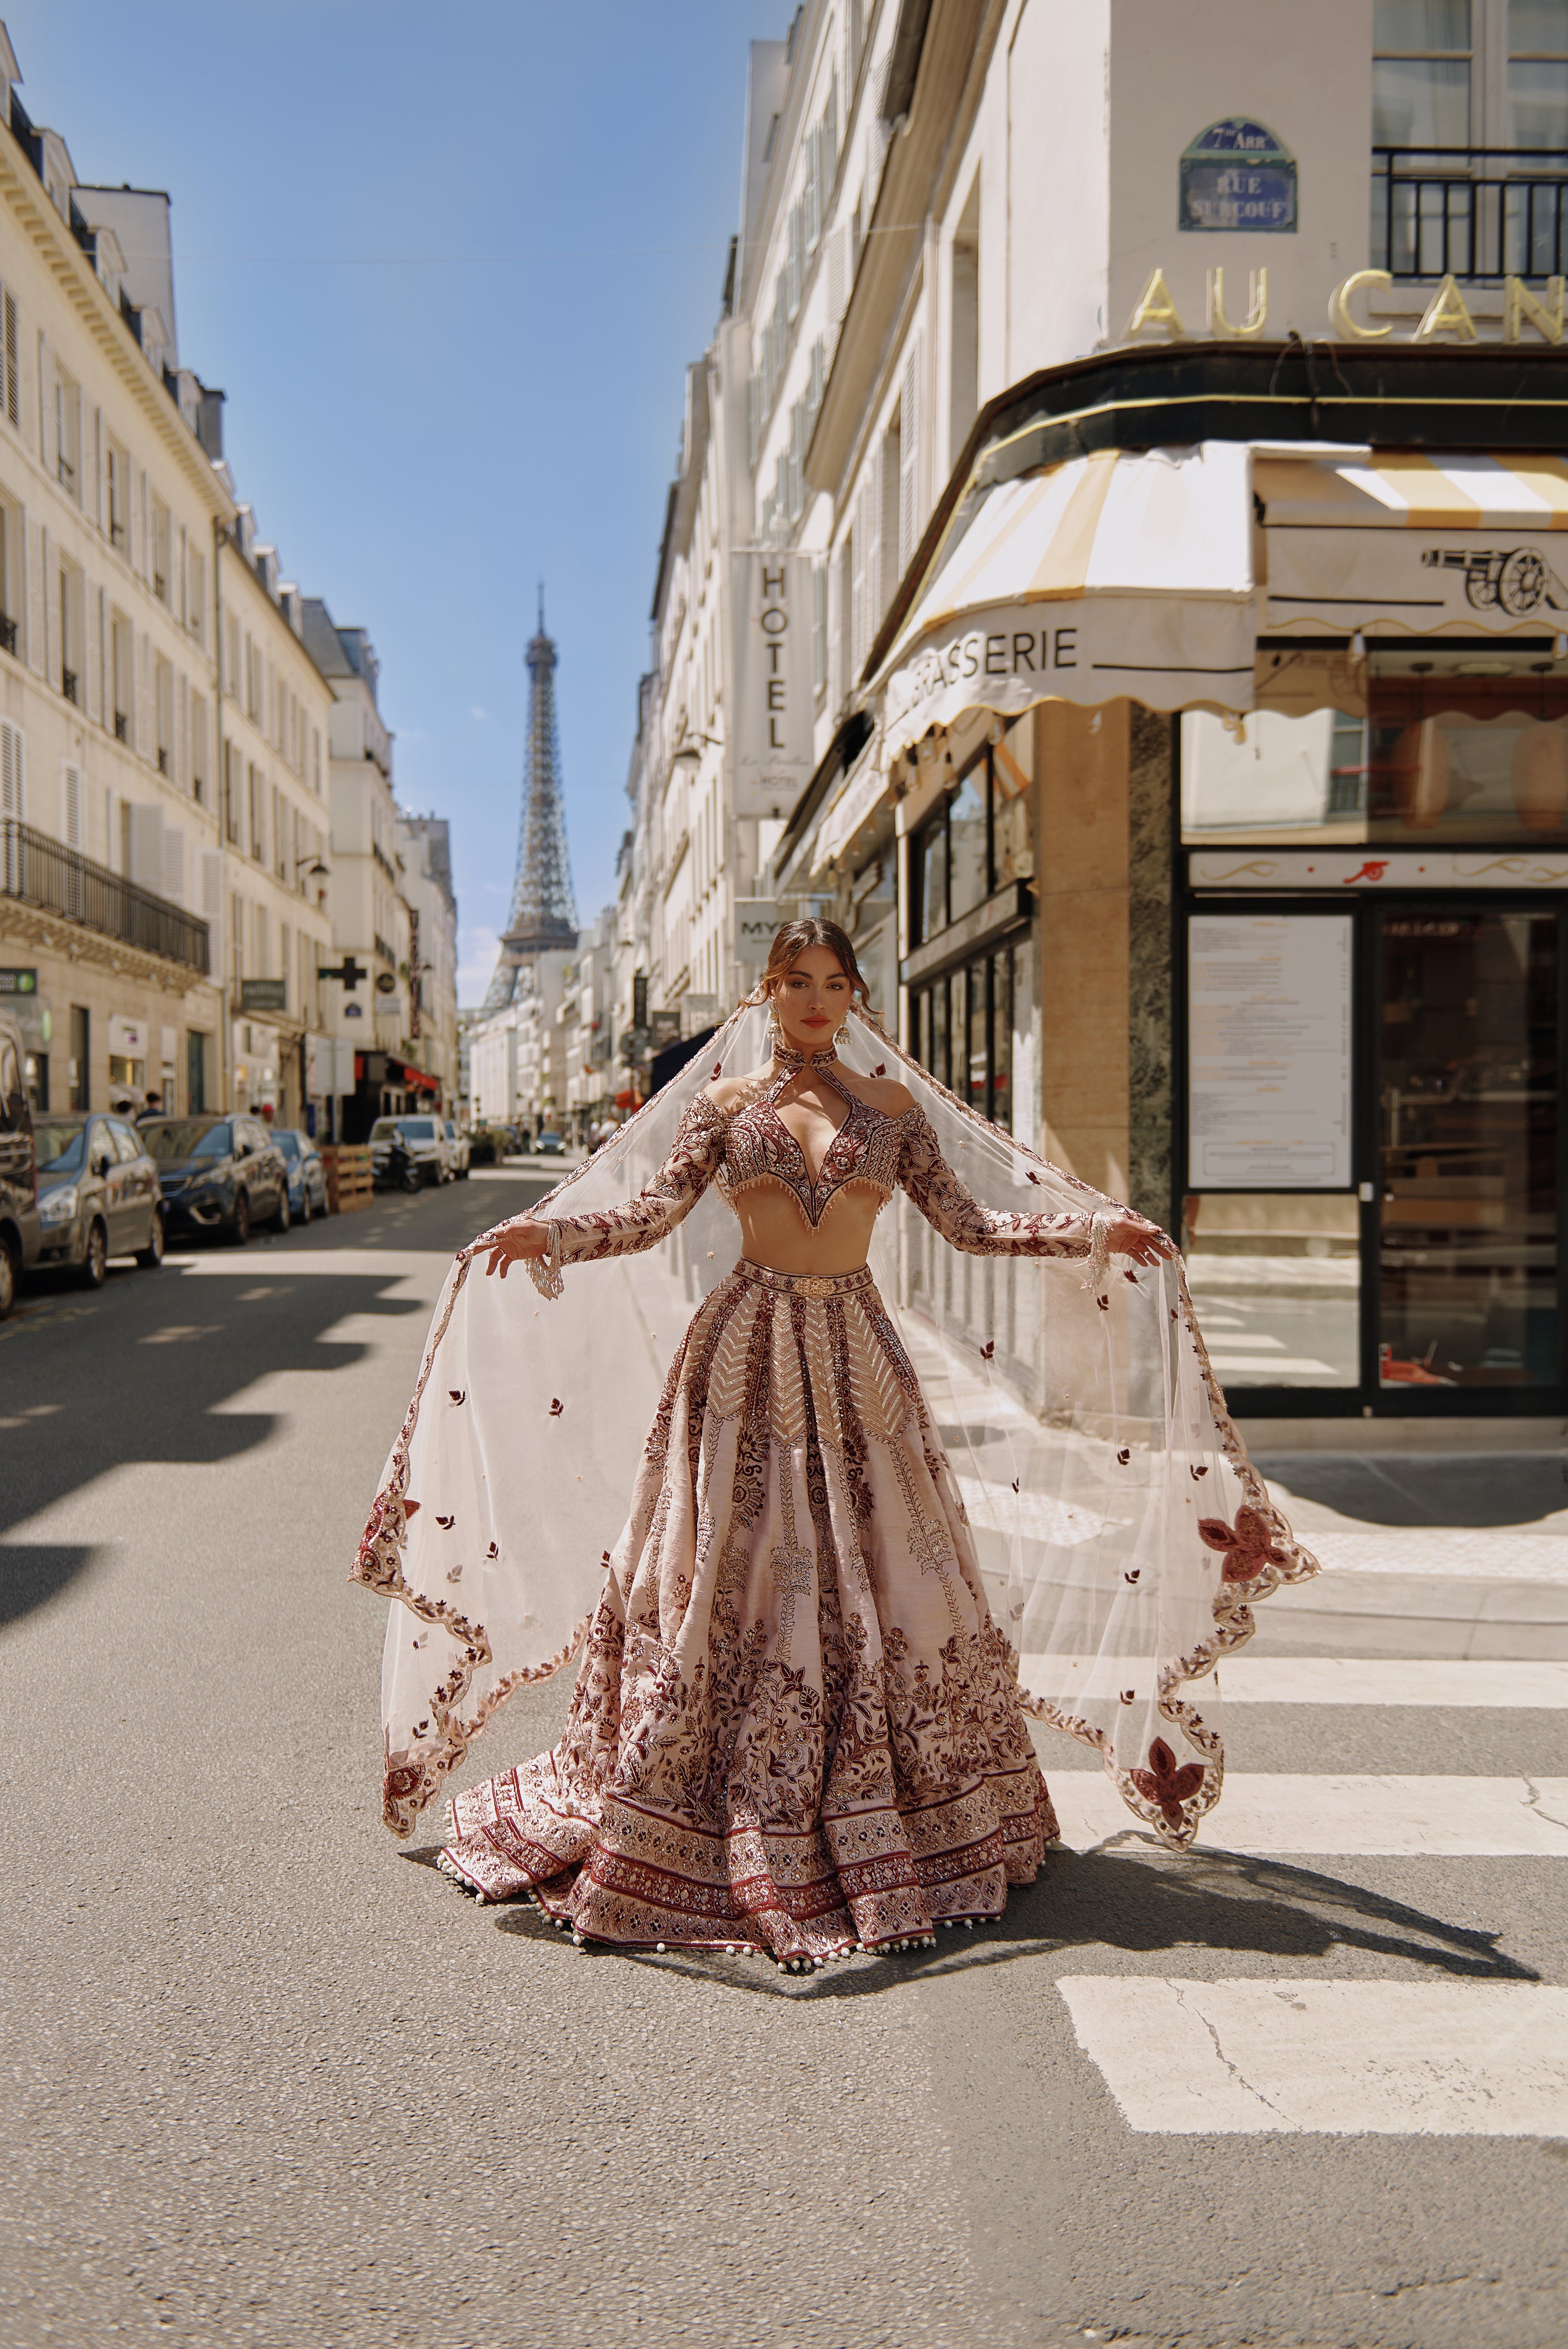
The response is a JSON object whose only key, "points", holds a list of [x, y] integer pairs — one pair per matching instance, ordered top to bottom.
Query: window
{"points": [[1421, 73], [1538, 74], [964, 329], [8, 354], [69, 435], [119, 498], [160, 550], [10, 576], [196, 595], [70, 618], [818, 629], [121, 677], [164, 715], [197, 748], [1441, 755], [257, 791], [231, 795], [71, 803], [979, 840], [76, 1072], [195, 1072]]}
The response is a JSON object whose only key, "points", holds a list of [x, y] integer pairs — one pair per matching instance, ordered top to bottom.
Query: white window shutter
{"points": [[838, 272], [49, 421], [887, 486], [909, 513], [35, 542], [48, 550], [859, 550], [141, 664], [12, 779], [71, 804], [147, 848], [173, 884], [212, 885]]}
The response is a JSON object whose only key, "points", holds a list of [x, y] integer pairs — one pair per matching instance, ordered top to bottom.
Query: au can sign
{"points": [[1236, 175], [19, 982]]}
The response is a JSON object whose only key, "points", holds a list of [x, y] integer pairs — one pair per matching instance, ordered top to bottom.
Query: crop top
{"points": [[748, 1143]]}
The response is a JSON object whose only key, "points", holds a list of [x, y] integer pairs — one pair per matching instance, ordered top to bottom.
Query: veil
{"points": [[1123, 1534]]}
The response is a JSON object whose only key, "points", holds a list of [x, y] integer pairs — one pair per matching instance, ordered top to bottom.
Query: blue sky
{"points": [[449, 264]]}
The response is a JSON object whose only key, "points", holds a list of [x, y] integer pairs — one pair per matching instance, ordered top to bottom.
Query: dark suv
{"points": [[218, 1174], [21, 1234]]}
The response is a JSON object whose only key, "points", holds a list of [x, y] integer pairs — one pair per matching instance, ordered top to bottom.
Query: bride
{"points": [[797, 1728]]}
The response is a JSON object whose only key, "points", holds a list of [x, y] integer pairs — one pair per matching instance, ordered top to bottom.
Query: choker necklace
{"points": [[786, 1057]]}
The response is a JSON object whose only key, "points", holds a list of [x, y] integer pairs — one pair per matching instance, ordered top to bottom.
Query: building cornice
{"points": [[51, 239], [52, 935]]}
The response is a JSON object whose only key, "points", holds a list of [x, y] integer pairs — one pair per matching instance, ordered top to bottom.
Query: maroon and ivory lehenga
{"points": [[798, 1725]]}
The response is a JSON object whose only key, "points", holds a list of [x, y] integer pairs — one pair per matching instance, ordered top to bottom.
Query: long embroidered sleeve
{"points": [[949, 1208], [642, 1222]]}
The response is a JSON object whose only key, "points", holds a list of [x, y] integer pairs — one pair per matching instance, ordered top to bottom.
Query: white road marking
{"points": [[284, 1263], [1288, 1365], [1378, 1680], [1273, 1813], [1342, 2058]]}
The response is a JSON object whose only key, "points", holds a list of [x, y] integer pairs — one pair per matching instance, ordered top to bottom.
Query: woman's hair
{"points": [[792, 941]]}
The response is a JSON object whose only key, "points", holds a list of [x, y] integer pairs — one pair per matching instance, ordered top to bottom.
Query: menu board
{"points": [[1268, 1054]]}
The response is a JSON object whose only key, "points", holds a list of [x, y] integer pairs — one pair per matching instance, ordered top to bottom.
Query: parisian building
{"points": [[1157, 412], [171, 907]]}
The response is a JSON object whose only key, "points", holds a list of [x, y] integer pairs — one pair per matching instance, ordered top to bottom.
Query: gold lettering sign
{"points": [[1257, 306], [1155, 309], [1445, 313], [1339, 317]]}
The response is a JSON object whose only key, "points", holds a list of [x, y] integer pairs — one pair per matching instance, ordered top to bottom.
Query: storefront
{"points": [[1231, 786]]}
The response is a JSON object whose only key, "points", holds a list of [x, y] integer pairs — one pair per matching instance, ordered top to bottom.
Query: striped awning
{"points": [[1419, 541], [1126, 572]]}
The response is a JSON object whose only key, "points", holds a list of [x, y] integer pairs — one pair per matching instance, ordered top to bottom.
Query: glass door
{"points": [[1468, 1149]]}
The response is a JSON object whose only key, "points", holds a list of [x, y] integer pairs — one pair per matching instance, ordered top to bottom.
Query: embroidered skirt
{"points": [[796, 1727]]}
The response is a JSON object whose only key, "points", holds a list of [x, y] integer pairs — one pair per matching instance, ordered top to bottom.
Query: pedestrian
{"points": [[153, 1107], [797, 1728]]}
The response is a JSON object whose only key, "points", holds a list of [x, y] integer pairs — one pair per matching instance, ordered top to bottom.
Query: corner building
{"points": [[1168, 403]]}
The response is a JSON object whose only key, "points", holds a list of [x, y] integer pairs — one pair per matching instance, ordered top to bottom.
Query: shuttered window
{"points": [[8, 355], [909, 513], [13, 772], [71, 804]]}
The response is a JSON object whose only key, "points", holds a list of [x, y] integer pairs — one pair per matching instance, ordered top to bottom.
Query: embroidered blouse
{"points": [[748, 1145]]}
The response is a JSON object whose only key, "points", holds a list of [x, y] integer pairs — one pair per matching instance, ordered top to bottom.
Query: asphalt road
{"points": [[265, 2078]]}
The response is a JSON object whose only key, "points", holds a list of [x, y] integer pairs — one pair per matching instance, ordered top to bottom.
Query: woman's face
{"points": [[812, 999]]}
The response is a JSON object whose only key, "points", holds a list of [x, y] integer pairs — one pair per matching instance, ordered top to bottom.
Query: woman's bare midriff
{"points": [[773, 1231]]}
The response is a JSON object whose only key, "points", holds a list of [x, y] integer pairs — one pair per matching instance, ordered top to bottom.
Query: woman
{"points": [[797, 1728]]}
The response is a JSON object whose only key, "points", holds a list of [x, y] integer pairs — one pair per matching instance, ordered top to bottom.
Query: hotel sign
{"points": [[771, 735]]}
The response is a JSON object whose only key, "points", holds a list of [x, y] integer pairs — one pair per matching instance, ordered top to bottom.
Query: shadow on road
{"points": [[151, 1372], [1494, 1489], [1142, 1900]]}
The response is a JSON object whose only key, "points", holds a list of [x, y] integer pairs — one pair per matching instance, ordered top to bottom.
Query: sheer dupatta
{"points": [[1123, 1534]]}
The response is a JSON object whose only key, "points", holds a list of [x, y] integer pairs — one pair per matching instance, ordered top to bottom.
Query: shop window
{"points": [[1453, 748], [980, 838], [196, 1054], [35, 1072], [1468, 1150], [1276, 1278]]}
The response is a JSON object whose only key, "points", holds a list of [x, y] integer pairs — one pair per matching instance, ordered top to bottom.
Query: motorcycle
{"points": [[395, 1170]]}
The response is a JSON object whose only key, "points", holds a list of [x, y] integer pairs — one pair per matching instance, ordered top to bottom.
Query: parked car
{"points": [[419, 1139], [550, 1145], [457, 1151], [306, 1172], [220, 1175], [99, 1196], [21, 1234]]}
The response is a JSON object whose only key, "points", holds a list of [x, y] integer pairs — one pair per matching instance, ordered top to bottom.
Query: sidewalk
{"points": [[1458, 1554]]}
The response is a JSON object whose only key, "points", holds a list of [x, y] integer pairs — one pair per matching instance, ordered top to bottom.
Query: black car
{"points": [[218, 1174]]}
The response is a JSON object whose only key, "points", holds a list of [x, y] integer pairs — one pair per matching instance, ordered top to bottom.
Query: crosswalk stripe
{"points": [[1381, 1680], [1269, 1813], [1343, 2058]]}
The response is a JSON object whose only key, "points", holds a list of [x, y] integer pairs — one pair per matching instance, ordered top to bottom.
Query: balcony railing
{"points": [[1478, 212], [38, 871]]}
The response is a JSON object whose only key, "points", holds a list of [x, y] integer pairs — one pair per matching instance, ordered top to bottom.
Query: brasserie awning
{"points": [[1416, 540], [1124, 572]]}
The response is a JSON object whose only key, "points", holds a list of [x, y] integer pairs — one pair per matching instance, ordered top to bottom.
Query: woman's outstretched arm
{"points": [[957, 1215], [552, 1240]]}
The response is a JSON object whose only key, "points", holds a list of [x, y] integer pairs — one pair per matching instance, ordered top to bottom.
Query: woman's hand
{"points": [[1136, 1236], [509, 1244]]}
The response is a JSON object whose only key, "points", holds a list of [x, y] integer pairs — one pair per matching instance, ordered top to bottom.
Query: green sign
{"points": [[19, 982], [263, 995]]}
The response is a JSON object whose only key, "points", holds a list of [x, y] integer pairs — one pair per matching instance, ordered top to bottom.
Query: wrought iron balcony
{"points": [[1478, 212], [40, 871]]}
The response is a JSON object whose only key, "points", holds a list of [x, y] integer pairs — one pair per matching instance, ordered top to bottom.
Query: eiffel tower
{"points": [[544, 909]]}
